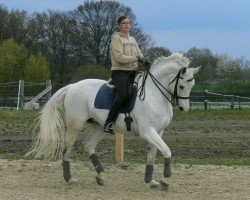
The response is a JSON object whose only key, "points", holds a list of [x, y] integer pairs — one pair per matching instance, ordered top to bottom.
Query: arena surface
{"points": [[40, 180]]}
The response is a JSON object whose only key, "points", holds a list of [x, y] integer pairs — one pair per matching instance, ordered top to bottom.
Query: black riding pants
{"points": [[120, 79]]}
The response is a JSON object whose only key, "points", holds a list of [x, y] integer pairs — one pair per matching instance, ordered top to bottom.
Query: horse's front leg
{"points": [[151, 136], [150, 168], [167, 172]]}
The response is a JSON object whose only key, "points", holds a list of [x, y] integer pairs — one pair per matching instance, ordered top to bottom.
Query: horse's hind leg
{"points": [[73, 130], [90, 146]]}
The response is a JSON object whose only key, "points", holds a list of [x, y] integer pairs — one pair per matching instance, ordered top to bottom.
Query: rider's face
{"points": [[124, 26]]}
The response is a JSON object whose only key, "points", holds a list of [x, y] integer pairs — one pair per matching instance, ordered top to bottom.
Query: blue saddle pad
{"points": [[106, 95]]}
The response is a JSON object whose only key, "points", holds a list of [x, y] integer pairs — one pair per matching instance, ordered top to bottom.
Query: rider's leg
{"points": [[120, 80]]}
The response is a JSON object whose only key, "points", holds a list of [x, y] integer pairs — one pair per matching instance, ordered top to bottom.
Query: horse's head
{"points": [[180, 78], [182, 85]]}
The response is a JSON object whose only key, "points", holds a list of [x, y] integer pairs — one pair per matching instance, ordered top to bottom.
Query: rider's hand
{"points": [[144, 62]]}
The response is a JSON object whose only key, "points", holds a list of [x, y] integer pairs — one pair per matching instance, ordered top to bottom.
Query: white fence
{"points": [[18, 95], [23, 95], [226, 101], [219, 105]]}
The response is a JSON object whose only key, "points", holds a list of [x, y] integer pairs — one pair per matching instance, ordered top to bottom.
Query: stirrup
{"points": [[128, 120], [108, 128]]}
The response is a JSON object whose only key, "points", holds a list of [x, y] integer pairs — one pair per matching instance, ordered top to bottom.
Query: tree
{"points": [[96, 21], [14, 25], [3, 26], [58, 32], [52, 33], [70, 39], [144, 40], [38, 43], [155, 52], [206, 59], [12, 61], [16, 63], [245, 68], [37, 69], [90, 71], [228, 72], [246, 74]]}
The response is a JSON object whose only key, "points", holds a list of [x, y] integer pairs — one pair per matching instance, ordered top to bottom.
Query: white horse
{"points": [[168, 78]]}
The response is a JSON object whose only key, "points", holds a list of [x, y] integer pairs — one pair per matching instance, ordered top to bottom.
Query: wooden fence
{"points": [[23, 95]]}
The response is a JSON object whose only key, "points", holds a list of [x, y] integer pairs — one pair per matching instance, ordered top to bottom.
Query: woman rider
{"points": [[125, 55]]}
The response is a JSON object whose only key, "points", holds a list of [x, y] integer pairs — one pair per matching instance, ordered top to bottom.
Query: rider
{"points": [[125, 55]]}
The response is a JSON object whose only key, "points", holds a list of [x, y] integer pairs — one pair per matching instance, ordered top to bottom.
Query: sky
{"points": [[223, 26]]}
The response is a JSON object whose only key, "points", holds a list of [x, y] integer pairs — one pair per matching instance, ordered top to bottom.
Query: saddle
{"points": [[106, 95]]}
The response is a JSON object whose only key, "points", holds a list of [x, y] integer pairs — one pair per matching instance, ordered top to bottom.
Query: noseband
{"points": [[160, 87], [175, 95]]}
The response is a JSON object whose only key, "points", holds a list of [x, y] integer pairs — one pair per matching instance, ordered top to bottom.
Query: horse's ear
{"points": [[196, 69], [183, 71]]}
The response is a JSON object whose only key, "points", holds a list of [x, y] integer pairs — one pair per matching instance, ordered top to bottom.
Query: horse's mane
{"points": [[175, 57]]}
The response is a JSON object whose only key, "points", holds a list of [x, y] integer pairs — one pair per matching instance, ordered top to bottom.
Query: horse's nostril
{"points": [[181, 109]]}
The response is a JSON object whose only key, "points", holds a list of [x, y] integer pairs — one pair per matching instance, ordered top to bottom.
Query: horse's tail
{"points": [[50, 140]]}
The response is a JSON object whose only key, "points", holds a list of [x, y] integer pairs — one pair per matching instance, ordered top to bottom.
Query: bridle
{"points": [[161, 88]]}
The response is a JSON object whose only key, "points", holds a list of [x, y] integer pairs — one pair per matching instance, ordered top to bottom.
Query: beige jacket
{"points": [[124, 52]]}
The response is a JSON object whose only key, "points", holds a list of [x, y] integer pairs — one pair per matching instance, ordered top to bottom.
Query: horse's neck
{"points": [[163, 72], [162, 76], [152, 91]]}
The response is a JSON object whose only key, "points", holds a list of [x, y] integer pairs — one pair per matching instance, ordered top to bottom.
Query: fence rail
{"points": [[16, 95], [227, 101], [219, 105]]}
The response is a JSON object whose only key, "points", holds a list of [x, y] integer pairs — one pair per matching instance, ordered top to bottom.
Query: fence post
{"points": [[21, 94], [48, 95], [205, 100], [232, 102], [119, 140]]}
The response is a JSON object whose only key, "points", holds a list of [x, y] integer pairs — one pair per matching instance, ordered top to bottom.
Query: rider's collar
{"points": [[126, 35]]}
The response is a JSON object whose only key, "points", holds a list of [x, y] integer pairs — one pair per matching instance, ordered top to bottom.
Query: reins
{"points": [[160, 87]]}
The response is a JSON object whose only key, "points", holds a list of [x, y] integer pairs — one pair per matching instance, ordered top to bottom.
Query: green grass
{"points": [[223, 114], [17, 122]]}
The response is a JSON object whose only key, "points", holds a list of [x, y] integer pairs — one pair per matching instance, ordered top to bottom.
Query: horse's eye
{"points": [[181, 87]]}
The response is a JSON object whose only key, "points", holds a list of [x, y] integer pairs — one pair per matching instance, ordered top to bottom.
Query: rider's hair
{"points": [[120, 19]]}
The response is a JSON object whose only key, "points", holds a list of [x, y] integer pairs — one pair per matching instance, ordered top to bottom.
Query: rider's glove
{"points": [[144, 62]]}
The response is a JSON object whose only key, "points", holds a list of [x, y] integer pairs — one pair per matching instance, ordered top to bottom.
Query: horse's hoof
{"points": [[72, 180], [99, 181], [165, 183], [154, 184]]}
